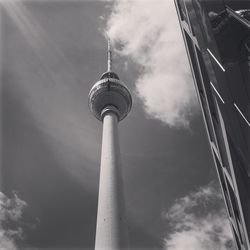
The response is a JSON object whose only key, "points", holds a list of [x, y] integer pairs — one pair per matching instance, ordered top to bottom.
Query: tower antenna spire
{"points": [[109, 55]]}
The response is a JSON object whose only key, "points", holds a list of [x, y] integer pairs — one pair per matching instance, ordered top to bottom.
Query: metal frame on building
{"points": [[208, 69]]}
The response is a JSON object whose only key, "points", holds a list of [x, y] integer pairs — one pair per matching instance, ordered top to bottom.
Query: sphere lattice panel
{"points": [[109, 91]]}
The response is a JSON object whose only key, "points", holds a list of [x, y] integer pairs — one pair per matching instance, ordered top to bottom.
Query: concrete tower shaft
{"points": [[110, 102], [111, 233]]}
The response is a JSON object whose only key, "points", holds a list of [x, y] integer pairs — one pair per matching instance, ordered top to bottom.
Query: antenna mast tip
{"points": [[109, 55]]}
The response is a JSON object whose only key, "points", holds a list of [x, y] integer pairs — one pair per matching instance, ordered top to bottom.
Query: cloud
{"points": [[148, 32], [11, 210], [199, 221]]}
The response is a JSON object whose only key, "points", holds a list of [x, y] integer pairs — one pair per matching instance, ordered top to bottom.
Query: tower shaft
{"points": [[111, 232]]}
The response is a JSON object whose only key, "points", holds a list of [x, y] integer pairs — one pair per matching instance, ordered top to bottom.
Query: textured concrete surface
{"points": [[111, 231]]}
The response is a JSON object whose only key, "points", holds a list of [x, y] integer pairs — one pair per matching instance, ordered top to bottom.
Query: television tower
{"points": [[110, 101]]}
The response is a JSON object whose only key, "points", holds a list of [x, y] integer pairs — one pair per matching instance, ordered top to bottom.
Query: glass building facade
{"points": [[217, 39]]}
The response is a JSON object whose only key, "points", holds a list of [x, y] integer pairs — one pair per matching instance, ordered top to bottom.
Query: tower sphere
{"points": [[110, 91]]}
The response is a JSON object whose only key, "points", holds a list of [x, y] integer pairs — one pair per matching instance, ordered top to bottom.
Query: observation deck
{"points": [[110, 91]]}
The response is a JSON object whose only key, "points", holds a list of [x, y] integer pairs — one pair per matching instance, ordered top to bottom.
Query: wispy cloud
{"points": [[149, 33], [10, 213], [198, 221]]}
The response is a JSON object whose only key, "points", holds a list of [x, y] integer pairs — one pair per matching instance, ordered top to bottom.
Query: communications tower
{"points": [[110, 101]]}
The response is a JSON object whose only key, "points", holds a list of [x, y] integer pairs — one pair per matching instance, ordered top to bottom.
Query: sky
{"points": [[52, 52]]}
